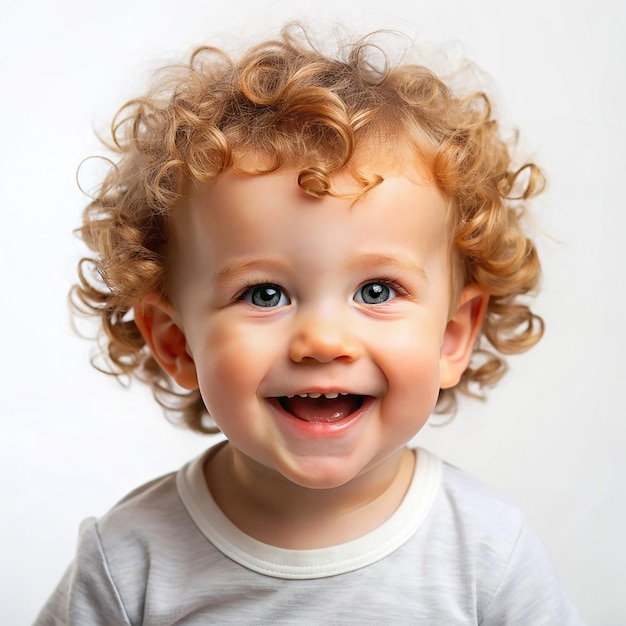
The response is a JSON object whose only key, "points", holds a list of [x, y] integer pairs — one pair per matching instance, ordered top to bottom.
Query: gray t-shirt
{"points": [[454, 552]]}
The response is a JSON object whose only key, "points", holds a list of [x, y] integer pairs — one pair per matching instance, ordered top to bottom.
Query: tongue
{"points": [[321, 409]]}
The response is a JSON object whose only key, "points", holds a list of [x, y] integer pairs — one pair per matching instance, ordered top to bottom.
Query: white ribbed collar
{"points": [[318, 563]]}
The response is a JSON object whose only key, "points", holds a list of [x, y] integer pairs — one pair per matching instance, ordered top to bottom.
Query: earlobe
{"points": [[461, 334], [165, 339]]}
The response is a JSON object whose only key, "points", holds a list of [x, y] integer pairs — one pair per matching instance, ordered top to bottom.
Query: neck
{"points": [[276, 511]]}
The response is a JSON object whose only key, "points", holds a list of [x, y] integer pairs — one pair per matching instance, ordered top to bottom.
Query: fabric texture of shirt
{"points": [[454, 552]]}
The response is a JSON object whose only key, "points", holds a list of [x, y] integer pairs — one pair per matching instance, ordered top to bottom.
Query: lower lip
{"points": [[321, 429]]}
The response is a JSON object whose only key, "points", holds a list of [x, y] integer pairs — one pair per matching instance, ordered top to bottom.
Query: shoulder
{"points": [[467, 490], [477, 507], [141, 510], [467, 510], [153, 511], [471, 528], [479, 534], [148, 538], [145, 542]]}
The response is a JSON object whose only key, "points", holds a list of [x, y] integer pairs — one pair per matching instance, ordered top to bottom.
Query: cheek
{"points": [[413, 349], [233, 363], [411, 367], [417, 372]]}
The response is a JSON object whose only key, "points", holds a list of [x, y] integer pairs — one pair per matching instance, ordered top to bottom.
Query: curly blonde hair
{"points": [[289, 103]]}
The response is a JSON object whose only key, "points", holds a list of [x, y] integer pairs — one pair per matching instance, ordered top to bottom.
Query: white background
{"points": [[551, 436]]}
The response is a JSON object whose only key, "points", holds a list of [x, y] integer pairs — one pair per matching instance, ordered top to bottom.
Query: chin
{"points": [[321, 473]]}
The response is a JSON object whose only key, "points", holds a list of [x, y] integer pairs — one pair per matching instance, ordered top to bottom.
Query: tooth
{"points": [[343, 393], [303, 395], [314, 395], [291, 396], [330, 396]]}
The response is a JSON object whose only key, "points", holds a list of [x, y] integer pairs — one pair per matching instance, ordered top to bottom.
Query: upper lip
{"points": [[319, 394]]}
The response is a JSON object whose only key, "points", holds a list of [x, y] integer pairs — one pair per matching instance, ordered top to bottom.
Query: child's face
{"points": [[279, 295]]}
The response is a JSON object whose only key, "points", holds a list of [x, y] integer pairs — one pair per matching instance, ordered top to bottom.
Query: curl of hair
{"points": [[289, 103]]}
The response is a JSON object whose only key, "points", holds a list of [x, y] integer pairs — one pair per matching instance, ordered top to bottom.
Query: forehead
{"points": [[403, 195], [241, 216]]}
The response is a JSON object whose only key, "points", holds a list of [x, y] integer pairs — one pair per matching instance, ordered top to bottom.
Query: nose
{"points": [[324, 338]]}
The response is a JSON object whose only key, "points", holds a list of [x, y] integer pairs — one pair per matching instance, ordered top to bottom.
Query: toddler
{"points": [[303, 250]]}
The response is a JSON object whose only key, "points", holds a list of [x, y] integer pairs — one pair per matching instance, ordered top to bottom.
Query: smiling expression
{"points": [[317, 330]]}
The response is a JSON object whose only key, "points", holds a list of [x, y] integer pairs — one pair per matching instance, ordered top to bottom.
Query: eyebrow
{"points": [[372, 259], [401, 264], [235, 268]]}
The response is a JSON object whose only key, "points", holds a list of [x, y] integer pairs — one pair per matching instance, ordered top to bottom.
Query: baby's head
{"points": [[312, 130]]}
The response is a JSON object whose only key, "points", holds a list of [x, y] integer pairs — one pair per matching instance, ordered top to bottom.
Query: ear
{"points": [[155, 319], [461, 334]]}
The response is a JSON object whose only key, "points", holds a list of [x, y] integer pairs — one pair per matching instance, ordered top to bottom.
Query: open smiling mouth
{"points": [[321, 408]]}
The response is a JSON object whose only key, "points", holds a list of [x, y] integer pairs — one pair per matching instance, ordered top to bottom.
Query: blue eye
{"points": [[375, 293], [266, 296]]}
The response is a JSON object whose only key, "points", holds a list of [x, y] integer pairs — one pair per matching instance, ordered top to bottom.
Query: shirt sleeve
{"points": [[529, 591], [86, 594]]}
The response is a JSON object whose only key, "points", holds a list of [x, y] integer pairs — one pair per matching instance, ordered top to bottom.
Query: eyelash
{"points": [[389, 281], [248, 287]]}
